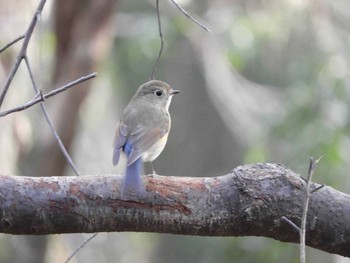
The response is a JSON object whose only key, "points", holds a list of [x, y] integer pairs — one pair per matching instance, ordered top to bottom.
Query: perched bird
{"points": [[143, 131]]}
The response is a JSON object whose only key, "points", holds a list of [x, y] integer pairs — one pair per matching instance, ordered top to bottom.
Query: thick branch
{"points": [[249, 201]]}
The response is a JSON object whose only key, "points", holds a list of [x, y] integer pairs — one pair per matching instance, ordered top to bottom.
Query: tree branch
{"points": [[189, 16], [161, 41], [11, 43], [23, 52], [39, 97], [49, 122], [312, 167], [249, 201]]}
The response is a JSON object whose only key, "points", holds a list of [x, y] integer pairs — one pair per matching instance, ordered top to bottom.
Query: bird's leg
{"points": [[154, 174]]}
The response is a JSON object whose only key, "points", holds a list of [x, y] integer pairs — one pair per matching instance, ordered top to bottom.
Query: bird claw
{"points": [[153, 174]]}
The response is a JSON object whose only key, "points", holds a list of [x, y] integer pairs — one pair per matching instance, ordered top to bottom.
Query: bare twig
{"points": [[189, 16], [161, 34], [161, 41], [11, 43], [21, 55], [69, 85], [39, 97], [53, 130], [312, 166], [317, 188], [308, 193], [291, 223], [80, 247]]}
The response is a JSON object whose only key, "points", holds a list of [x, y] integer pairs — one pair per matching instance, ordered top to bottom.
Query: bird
{"points": [[142, 132]]}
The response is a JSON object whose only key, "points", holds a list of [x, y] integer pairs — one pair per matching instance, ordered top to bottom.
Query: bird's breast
{"points": [[155, 150]]}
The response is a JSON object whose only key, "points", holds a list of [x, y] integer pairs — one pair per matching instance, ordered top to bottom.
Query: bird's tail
{"points": [[133, 184]]}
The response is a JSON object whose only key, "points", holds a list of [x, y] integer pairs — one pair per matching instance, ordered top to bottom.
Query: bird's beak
{"points": [[174, 91]]}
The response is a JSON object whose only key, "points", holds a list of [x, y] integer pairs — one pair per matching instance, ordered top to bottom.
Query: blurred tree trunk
{"points": [[81, 43]]}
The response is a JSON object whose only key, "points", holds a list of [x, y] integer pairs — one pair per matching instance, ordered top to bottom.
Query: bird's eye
{"points": [[158, 93]]}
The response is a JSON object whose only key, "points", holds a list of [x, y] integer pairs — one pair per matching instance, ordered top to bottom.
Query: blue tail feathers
{"points": [[133, 184]]}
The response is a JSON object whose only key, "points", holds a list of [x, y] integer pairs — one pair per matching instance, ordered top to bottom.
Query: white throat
{"points": [[168, 103]]}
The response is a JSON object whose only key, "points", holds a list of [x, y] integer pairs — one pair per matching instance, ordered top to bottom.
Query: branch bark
{"points": [[249, 201]]}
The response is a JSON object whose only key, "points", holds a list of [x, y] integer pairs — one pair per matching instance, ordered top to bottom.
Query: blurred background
{"points": [[270, 83]]}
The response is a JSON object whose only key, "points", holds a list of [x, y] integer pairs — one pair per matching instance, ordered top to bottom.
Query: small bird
{"points": [[143, 131]]}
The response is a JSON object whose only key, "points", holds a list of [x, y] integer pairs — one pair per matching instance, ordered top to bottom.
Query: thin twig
{"points": [[189, 16], [161, 41], [11, 43], [22, 53], [9, 78], [69, 85], [39, 97], [53, 130], [312, 166], [317, 188], [308, 193], [291, 223], [80, 247]]}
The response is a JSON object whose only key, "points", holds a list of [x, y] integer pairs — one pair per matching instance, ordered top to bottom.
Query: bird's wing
{"points": [[143, 137], [120, 139]]}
